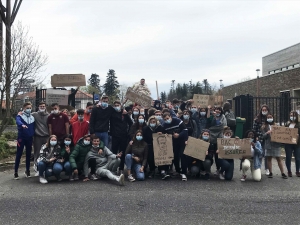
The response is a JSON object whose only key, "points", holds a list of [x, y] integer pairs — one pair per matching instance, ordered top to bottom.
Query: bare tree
{"points": [[27, 61]]}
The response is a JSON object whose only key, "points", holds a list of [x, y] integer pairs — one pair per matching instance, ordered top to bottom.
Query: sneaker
{"points": [[35, 168], [119, 172], [267, 172], [202, 173], [217, 173], [27, 174], [36, 174], [151, 174], [290, 174], [297, 174], [270, 175], [16, 176], [164, 176], [207, 176], [221, 176], [284, 176], [75, 177], [93, 177], [183, 177], [71, 178], [131, 178], [243, 178], [59, 179], [43, 180], [121, 180]]}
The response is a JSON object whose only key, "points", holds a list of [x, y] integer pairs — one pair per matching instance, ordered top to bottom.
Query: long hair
{"points": [[220, 109], [295, 114], [260, 116], [137, 124], [264, 126], [255, 136], [70, 137], [48, 142], [135, 142]]}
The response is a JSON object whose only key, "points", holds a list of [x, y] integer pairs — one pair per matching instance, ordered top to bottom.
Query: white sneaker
{"points": [[35, 168], [267, 172], [216, 173], [36, 174], [221, 176], [93, 177], [183, 177], [130, 178], [121, 179], [43, 180]]}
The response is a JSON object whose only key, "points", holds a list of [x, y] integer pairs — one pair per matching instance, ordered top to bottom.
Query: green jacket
{"points": [[64, 153], [77, 157]]}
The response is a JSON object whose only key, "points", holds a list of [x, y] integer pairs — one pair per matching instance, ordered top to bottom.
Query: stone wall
{"points": [[268, 86]]}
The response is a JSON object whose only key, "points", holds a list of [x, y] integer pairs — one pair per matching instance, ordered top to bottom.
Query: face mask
{"points": [[104, 104], [167, 105], [157, 106], [176, 106], [118, 108], [42, 110], [193, 110], [28, 111], [52, 111], [55, 111], [89, 111], [135, 113], [142, 113], [202, 113], [264, 113], [217, 114], [80, 117], [158, 117], [186, 117], [292, 118], [270, 120], [141, 121], [168, 121], [152, 124], [227, 137], [139, 138], [205, 138], [67, 142], [86, 142], [52, 143], [95, 146]]}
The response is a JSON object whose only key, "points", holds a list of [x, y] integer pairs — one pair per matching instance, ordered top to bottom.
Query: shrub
{"points": [[11, 121], [11, 135], [4, 148]]}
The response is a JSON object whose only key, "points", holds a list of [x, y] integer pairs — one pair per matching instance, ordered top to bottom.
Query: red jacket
{"points": [[79, 129]]}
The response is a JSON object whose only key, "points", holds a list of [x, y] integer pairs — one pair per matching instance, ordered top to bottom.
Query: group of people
{"points": [[100, 140]]}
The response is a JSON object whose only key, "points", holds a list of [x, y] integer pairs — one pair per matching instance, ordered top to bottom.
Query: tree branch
{"points": [[2, 10], [13, 17]]}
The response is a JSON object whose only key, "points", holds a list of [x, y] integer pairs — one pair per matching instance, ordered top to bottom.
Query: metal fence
{"points": [[247, 106]]}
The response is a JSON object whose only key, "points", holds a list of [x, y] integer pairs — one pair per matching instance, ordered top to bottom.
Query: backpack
{"points": [[231, 121]]}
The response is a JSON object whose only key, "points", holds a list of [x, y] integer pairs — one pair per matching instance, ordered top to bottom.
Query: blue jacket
{"points": [[25, 133], [258, 154]]}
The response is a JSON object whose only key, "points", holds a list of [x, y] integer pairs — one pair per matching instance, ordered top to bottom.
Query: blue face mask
{"points": [[104, 104], [118, 108], [193, 110], [28, 111], [89, 111], [135, 113], [142, 113], [202, 113], [217, 114], [158, 117], [186, 117], [141, 121], [168, 121], [152, 125], [139, 138], [205, 138], [52, 143], [67, 143]]}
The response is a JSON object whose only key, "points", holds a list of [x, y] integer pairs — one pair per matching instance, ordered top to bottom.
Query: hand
{"points": [[209, 107], [125, 112], [20, 113], [24, 126], [269, 132], [159, 133], [175, 135], [236, 137], [130, 142], [186, 142], [253, 145], [68, 149], [100, 151], [217, 151], [207, 152], [119, 155], [52, 159], [137, 159], [142, 169], [76, 171], [86, 179]]}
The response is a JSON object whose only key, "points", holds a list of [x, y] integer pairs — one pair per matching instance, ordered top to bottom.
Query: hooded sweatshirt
{"points": [[27, 120], [41, 126]]}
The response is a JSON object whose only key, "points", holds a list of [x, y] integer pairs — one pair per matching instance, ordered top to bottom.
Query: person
{"points": [[141, 87], [176, 104], [157, 105], [86, 114], [135, 114], [204, 114], [229, 115], [260, 119], [99, 120], [58, 123], [189, 123], [25, 124], [139, 125], [80, 127], [119, 127], [152, 127], [41, 131], [179, 133], [66, 149], [272, 149], [290, 149], [77, 157], [136, 157], [49, 162], [105, 162], [253, 163], [226, 165], [204, 167]]}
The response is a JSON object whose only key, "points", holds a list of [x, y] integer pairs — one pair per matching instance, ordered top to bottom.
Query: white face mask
{"points": [[42, 110], [55, 111], [264, 113], [270, 120]]}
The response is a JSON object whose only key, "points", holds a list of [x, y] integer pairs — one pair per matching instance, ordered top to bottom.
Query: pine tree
{"points": [[94, 82], [111, 85], [163, 96]]}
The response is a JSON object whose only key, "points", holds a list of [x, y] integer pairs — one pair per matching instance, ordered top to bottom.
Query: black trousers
{"points": [[119, 144], [92, 165]]}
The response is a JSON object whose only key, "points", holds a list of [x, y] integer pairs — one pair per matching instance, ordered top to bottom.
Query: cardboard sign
{"points": [[68, 80], [57, 96], [139, 98], [203, 100], [284, 135], [196, 148], [233, 148], [163, 149]]}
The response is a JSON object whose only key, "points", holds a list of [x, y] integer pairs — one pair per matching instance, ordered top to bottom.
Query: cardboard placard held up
{"points": [[68, 80], [57, 96], [139, 98], [203, 100], [284, 135], [196, 148], [234, 148], [163, 149]]}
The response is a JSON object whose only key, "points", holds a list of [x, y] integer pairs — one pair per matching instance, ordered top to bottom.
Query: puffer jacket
{"points": [[48, 152], [77, 157]]}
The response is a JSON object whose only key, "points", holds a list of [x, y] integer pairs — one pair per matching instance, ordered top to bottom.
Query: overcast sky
{"points": [[160, 40]]}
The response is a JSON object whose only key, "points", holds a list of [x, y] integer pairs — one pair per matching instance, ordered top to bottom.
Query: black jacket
{"points": [[99, 121], [119, 124], [147, 133]]}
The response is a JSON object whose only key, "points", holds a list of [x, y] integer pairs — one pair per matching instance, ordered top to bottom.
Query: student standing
{"points": [[86, 114], [80, 127]]}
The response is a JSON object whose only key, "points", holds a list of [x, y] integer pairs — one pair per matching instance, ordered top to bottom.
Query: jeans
{"points": [[103, 137], [20, 147], [289, 151], [130, 164], [227, 166], [44, 168], [67, 168], [54, 170]]}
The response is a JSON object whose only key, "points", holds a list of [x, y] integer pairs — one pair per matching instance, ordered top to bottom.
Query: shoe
{"points": [[35, 168], [119, 172], [267, 172], [202, 173], [217, 173], [27, 174], [36, 174], [151, 174], [290, 174], [297, 174], [270, 175], [16, 176], [164, 176], [207, 176], [221, 176], [284, 176], [75, 177], [93, 177], [183, 177], [71, 178], [131, 178], [243, 178], [59, 179], [43, 180], [121, 180]]}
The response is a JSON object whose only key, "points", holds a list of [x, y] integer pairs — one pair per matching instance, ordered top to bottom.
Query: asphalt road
{"points": [[271, 201]]}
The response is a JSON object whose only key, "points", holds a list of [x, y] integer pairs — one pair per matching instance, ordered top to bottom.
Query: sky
{"points": [[160, 40]]}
